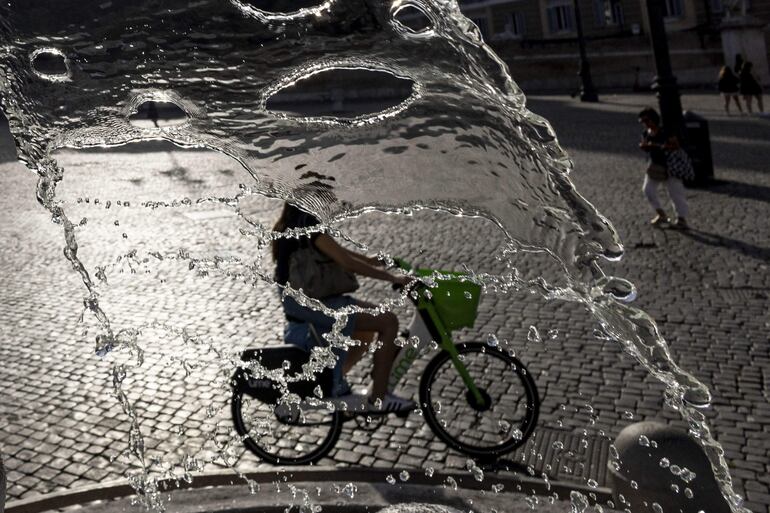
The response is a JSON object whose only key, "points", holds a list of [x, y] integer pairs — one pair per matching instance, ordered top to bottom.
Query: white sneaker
{"points": [[350, 402], [391, 404]]}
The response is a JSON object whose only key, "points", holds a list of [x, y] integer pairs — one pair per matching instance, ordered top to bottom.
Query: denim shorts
{"points": [[299, 334]]}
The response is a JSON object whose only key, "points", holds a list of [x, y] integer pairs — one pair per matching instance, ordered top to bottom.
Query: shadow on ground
{"points": [[741, 190], [713, 239]]}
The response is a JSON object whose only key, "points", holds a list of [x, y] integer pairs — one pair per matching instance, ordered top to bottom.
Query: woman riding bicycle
{"points": [[299, 317]]}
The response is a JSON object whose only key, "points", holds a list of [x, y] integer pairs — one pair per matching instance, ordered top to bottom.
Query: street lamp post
{"points": [[664, 83], [587, 90]]}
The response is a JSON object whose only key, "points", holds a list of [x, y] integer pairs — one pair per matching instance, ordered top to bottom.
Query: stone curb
{"points": [[120, 488]]}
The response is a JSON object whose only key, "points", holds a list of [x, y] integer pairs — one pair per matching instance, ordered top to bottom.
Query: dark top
{"points": [[728, 83], [749, 84], [657, 155], [295, 218]]}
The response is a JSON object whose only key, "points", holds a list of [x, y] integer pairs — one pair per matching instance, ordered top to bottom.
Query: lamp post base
{"points": [[587, 90]]}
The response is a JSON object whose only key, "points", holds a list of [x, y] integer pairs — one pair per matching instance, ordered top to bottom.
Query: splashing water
{"points": [[74, 72]]}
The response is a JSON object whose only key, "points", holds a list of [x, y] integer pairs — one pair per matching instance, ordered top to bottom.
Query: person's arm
{"points": [[645, 144], [671, 144], [373, 261], [351, 262]]}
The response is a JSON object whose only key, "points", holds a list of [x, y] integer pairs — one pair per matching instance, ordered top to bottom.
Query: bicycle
{"points": [[477, 398]]}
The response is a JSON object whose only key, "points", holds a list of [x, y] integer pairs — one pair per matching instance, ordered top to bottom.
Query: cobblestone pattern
{"points": [[60, 427]]}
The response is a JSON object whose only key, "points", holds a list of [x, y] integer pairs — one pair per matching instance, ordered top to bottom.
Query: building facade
{"points": [[538, 39]]}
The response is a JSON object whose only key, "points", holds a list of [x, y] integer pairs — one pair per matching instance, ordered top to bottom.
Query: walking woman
{"points": [[728, 85], [750, 87], [656, 143], [359, 325]]}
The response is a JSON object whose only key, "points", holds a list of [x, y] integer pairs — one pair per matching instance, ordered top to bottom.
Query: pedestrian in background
{"points": [[738, 63], [729, 85], [750, 87], [657, 143]]}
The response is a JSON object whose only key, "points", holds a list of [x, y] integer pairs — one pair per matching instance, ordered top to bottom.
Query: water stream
{"points": [[74, 72]]}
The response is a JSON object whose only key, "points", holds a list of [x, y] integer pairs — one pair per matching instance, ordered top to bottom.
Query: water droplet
{"points": [[533, 335], [492, 340], [644, 441], [664, 462], [429, 471], [404, 475], [687, 475], [390, 479], [450, 483], [688, 493], [578, 502], [657, 508]]}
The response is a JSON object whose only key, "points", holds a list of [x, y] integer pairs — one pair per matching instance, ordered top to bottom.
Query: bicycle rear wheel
{"points": [[501, 423], [281, 435]]}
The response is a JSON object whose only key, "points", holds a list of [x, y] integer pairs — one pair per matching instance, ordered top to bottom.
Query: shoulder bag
{"points": [[679, 165]]}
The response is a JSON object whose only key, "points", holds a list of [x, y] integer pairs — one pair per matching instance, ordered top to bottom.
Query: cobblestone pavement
{"points": [[60, 426]]}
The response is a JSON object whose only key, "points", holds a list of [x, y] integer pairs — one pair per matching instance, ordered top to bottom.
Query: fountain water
{"points": [[221, 62]]}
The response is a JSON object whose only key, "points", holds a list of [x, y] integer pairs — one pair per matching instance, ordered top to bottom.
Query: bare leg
{"points": [[747, 99], [737, 100], [760, 103], [727, 104], [386, 325], [356, 353]]}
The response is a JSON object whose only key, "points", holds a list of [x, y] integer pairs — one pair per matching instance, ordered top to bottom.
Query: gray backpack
{"points": [[318, 275]]}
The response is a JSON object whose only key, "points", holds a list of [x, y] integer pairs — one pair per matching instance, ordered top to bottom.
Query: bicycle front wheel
{"points": [[504, 418], [281, 435]]}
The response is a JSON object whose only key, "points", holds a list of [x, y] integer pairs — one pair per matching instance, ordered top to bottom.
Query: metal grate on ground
{"points": [[565, 456]]}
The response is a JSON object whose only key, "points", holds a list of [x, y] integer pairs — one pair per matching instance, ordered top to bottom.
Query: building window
{"points": [[673, 9], [609, 13], [561, 17], [483, 24], [514, 25]]}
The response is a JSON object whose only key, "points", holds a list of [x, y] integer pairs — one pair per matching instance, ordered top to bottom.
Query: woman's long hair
{"points": [[726, 71], [291, 217]]}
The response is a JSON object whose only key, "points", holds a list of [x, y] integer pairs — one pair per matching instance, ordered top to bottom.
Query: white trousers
{"points": [[675, 191]]}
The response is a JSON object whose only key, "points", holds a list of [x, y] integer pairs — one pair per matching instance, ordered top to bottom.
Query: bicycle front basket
{"points": [[456, 301]]}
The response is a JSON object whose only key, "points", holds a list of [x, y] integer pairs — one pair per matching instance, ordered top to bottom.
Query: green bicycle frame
{"points": [[428, 312]]}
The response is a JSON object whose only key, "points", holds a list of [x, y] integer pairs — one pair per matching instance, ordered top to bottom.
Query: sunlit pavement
{"points": [[60, 427]]}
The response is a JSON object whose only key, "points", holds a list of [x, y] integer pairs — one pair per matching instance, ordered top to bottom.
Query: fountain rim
{"points": [[120, 488]]}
